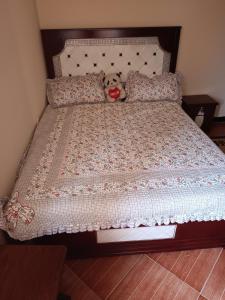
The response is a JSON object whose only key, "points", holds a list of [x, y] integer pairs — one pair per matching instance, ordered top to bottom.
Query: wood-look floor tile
{"points": [[154, 256], [168, 259], [184, 263], [81, 266], [202, 267], [98, 270], [115, 274], [144, 276], [67, 279], [132, 279], [151, 282], [72, 285], [215, 285], [169, 288], [81, 291], [186, 292], [223, 296]]}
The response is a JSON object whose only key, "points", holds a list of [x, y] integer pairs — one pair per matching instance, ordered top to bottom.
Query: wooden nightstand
{"points": [[204, 105], [31, 272]]}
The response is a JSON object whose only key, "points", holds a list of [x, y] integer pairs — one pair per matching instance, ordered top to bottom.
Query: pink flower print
{"points": [[15, 211]]}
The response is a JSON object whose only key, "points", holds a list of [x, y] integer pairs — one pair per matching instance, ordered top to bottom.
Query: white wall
{"points": [[202, 46], [22, 84]]}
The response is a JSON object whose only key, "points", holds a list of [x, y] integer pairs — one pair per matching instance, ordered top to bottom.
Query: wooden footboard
{"points": [[191, 235]]}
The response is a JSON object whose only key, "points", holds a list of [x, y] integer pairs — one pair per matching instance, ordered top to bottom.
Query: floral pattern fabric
{"points": [[140, 87], [65, 91], [98, 166], [15, 211]]}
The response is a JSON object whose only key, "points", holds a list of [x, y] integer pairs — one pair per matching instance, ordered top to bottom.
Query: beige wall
{"points": [[202, 47], [22, 84]]}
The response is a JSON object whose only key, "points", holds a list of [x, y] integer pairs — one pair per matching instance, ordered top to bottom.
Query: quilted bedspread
{"points": [[99, 166]]}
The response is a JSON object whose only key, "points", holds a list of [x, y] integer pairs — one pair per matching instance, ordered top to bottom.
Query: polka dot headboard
{"points": [[151, 50], [120, 55]]}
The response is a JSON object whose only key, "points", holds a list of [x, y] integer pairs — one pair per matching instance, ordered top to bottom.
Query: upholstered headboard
{"points": [[151, 50]]}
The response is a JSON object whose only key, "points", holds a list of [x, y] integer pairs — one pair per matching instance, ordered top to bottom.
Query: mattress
{"points": [[107, 165]]}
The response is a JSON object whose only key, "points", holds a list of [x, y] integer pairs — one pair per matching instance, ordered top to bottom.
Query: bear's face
{"points": [[111, 80]]}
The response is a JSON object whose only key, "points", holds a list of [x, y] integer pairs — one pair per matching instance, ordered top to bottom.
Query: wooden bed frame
{"points": [[188, 236]]}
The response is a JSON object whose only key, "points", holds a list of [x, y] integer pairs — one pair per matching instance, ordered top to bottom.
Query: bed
{"points": [[116, 178]]}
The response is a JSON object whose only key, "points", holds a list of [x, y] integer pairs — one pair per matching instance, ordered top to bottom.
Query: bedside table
{"points": [[200, 105], [31, 272]]}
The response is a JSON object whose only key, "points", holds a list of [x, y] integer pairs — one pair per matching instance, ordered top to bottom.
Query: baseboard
{"points": [[219, 119]]}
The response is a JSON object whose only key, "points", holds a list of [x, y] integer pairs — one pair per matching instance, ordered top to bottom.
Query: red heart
{"points": [[114, 93]]}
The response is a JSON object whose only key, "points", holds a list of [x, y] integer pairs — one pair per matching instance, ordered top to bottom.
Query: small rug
{"points": [[220, 143]]}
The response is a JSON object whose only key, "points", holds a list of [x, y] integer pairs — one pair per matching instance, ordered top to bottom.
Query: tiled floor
{"points": [[183, 275]]}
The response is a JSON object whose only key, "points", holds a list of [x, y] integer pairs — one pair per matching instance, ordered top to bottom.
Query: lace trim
{"points": [[180, 219]]}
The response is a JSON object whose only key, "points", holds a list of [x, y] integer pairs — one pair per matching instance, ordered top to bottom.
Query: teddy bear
{"points": [[114, 89]]}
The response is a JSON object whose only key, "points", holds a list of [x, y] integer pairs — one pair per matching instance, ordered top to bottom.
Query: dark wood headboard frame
{"points": [[54, 40]]}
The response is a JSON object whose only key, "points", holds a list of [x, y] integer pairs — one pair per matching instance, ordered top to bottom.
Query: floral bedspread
{"points": [[97, 166]]}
